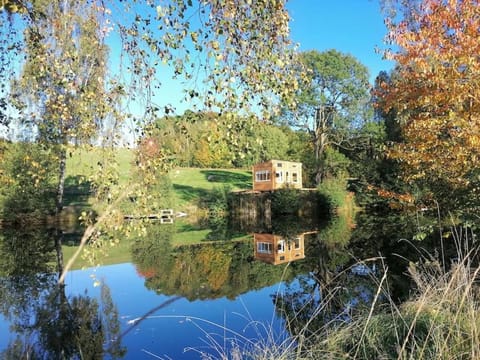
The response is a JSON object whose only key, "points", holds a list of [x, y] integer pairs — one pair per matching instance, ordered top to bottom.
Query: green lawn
{"points": [[84, 162], [190, 184]]}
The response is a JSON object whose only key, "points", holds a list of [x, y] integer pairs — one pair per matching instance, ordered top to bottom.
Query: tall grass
{"points": [[439, 321]]}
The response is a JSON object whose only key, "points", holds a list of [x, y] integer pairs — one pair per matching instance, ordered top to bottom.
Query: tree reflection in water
{"points": [[203, 271], [329, 287], [48, 323]]}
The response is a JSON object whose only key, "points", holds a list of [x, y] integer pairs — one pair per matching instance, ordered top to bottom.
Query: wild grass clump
{"points": [[438, 322]]}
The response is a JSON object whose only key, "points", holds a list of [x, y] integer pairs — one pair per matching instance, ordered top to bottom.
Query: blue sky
{"points": [[350, 26], [355, 27]]}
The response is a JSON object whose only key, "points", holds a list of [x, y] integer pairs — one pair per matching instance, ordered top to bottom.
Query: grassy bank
{"points": [[189, 184], [439, 321]]}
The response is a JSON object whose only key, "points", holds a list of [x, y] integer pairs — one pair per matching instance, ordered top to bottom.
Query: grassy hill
{"points": [[189, 184]]}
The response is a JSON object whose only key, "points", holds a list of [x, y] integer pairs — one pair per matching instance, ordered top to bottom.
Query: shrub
{"points": [[27, 183], [335, 191], [286, 201]]}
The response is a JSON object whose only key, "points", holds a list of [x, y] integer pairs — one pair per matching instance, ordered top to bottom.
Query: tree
{"points": [[63, 79], [61, 88], [435, 93], [66, 94], [331, 102], [204, 139], [272, 143], [211, 149], [29, 186]]}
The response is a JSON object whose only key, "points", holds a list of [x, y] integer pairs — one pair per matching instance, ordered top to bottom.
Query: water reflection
{"points": [[277, 249], [202, 271], [321, 281], [330, 286], [313, 305], [44, 321]]}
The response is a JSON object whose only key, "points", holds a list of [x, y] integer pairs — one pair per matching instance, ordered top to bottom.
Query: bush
{"points": [[27, 185], [335, 191], [286, 201], [215, 202]]}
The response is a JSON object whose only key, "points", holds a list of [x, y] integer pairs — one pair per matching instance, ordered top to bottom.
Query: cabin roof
{"points": [[278, 161]]}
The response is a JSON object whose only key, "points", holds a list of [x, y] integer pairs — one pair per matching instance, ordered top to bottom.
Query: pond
{"points": [[213, 298], [154, 325]]}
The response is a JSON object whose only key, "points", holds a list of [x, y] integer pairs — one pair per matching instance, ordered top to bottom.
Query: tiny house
{"points": [[277, 174], [274, 249]]}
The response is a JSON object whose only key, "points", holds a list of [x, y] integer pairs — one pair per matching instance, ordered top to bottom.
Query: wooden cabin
{"points": [[277, 174], [274, 249]]}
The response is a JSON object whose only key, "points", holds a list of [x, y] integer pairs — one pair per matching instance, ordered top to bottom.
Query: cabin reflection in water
{"points": [[276, 249]]}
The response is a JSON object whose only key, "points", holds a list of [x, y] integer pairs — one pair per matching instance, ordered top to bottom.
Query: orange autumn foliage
{"points": [[436, 89], [396, 200]]}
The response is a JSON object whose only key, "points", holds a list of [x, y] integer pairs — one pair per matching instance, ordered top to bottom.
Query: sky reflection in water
{"points": [[180, 325]]}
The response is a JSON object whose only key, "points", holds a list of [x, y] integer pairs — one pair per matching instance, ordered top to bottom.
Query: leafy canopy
{"points": [[436, 90]]}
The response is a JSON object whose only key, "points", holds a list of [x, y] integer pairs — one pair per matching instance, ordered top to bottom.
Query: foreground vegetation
{"points": [[414, 157], [438, 321]]}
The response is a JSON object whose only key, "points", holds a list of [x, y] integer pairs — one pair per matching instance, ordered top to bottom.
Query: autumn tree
{"points": [[435, 93], [331, 102], [211, 149]]}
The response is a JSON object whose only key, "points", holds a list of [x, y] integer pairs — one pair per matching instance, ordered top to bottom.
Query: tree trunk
{"points": [[322, 118], [58, 209]]}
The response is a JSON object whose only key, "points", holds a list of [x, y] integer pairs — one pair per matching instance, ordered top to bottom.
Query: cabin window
{"points": [[262, 175], [279, 176], [294, 177], [297, 243], [281, 246], [264, 248]]}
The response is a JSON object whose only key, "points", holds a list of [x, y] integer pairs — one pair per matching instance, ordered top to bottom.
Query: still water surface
{"points": [[176, 303], [204, 310], [181, 325], [182, 328]]}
